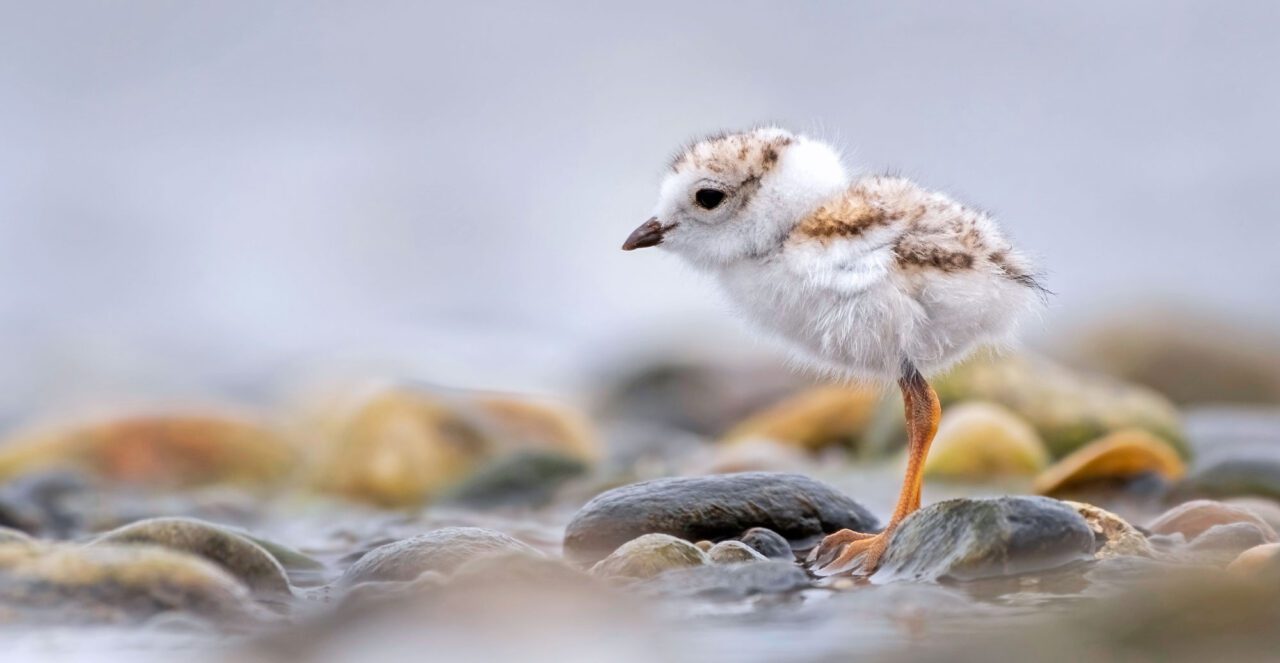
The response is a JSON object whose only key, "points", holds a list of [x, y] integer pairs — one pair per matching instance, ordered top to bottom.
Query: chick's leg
{"points": [[860, 553]]}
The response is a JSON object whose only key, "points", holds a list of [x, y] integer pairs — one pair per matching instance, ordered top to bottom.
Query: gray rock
{"points": [[1236, 477], [528, 478], [713, 507], [9, 535], [965, 539], [768, 543], [442, 550], [734, 552], [647, 556], [244, 559], [729, 582], [66, 583]]}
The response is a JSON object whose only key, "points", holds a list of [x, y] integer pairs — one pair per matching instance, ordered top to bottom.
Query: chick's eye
{"points": [[708, 198]]}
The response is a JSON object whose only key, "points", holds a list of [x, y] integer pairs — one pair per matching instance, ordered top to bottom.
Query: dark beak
{"points": [[649, 234]]}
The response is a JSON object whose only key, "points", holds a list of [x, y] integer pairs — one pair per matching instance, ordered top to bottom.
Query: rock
{"points": [[696, 395], [1067, 408], [812, 420], [528, 425], [978, 440], [393, 446], [169, 450], [755, 455], [1123, 455], [1236, 477], [523, 479], [44, 501], [715, 508], [1267, 510], [1191, 519], [9, 535], [1114, 536], [966, 539], [768, 543], [1221, 544], [704, 545], [442, 550], [734, 552], [649, 555], [239, 556], [1257, 560], [302, 569], [731, 582], [67, 583]]}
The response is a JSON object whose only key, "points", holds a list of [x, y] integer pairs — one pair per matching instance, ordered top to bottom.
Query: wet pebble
{"points": [[979, 440], [1236, 476], [713, 507], [1191, 519], [1114, 536], [965, 539], [768, 543], [442, 550], [733, 552], [648, 555], [241, 557], [1258, 559]]}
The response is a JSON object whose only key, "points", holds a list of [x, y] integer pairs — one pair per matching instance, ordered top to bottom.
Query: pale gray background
{"points": [[214, 193]]}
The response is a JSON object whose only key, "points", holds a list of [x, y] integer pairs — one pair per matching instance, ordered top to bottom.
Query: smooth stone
{"points": [[812, 420], [525, 424], [978, 440], [393, 445], [1125, 455], [1237, 477], [524, 479], [42, 502], [714, 508], [1268, 510], [1191, 519], [1114, 536], [967, 539], [768, 543], [704, 545], [442, 550], [733, 552], [648, 555], [244, 559], [1258, 559], [732, 581], [68, 583]]}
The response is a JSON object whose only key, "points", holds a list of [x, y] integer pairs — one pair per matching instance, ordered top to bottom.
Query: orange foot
{"points": [[850, 552]]}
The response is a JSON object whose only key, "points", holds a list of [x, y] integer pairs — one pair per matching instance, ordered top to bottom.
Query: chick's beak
{"points": [[648, 234]]}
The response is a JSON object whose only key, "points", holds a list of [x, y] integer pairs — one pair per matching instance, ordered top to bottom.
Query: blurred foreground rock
{"points": [[441, 551]]}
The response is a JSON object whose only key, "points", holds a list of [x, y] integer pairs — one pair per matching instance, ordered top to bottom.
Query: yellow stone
{"points": [[813, 419], [541, 425], [978, 440], [164, 450], [1124, 453]]}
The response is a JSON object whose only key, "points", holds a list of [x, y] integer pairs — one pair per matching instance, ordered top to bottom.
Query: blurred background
{"points": [[205, 197]]}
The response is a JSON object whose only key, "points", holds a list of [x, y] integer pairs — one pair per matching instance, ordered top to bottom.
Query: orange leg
{"points": [[849, 551]]}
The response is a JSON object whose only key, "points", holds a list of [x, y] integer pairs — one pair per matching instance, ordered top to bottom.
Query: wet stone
{"points": [[713, 507], [1191, 519], [10, 535], [1114, 536], [966, 539], [768, 543], [1221, 544], [442, 550], [734, 552], [649, 555], [243, 558], [1258, 560], [732, 581], [68, 583]]}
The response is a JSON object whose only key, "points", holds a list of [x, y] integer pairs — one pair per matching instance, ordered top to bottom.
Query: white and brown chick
{"points": [[867, 277]]}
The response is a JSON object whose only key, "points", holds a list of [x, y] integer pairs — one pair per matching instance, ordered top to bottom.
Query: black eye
{"points": [[708, 198]]}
